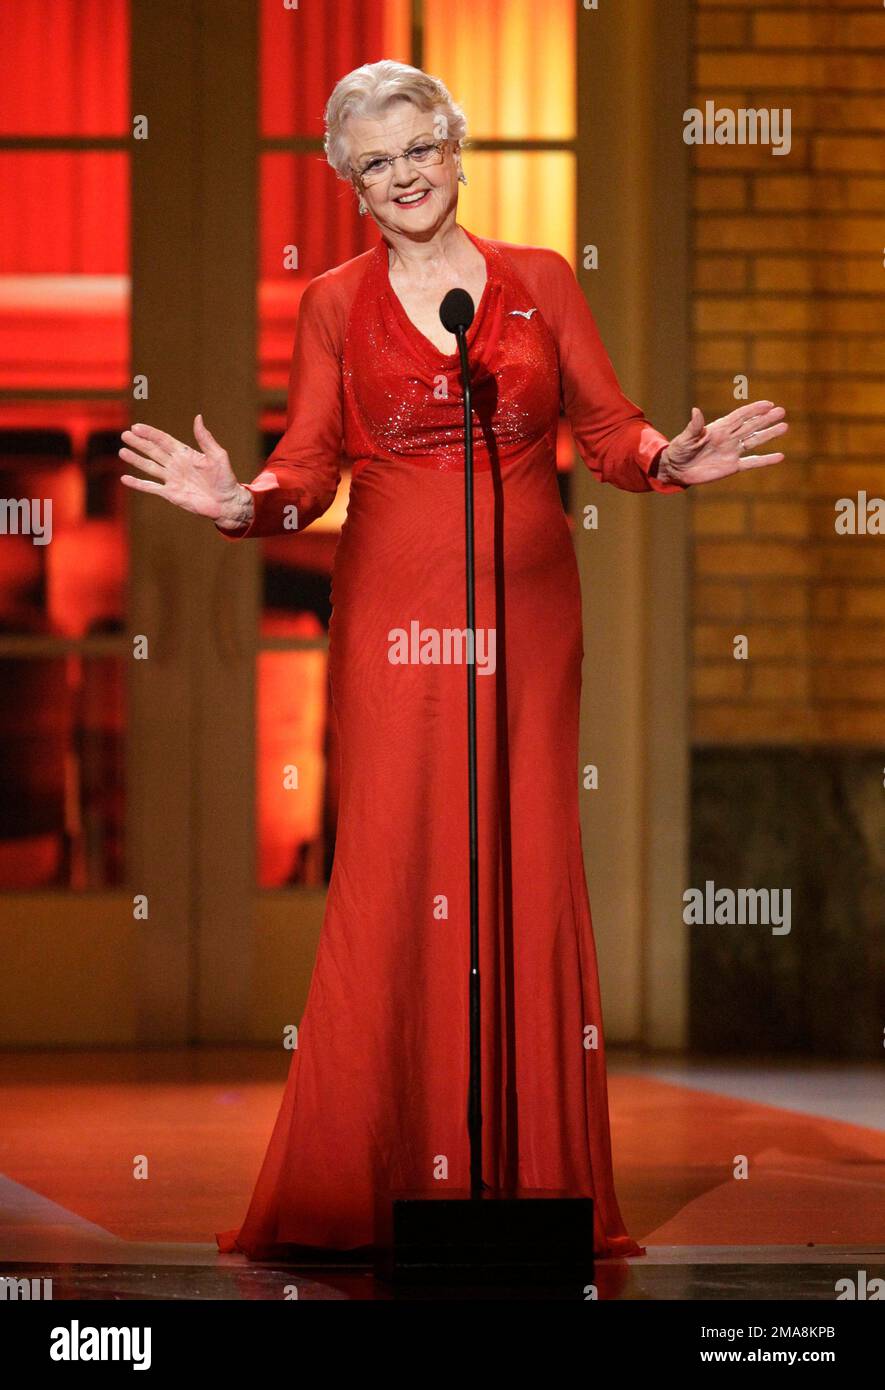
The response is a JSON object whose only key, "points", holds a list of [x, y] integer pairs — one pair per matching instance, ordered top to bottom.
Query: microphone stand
{"points": [[474, 1098], [479, 1236]]}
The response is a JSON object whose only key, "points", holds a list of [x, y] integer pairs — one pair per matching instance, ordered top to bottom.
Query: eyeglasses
{"points": [[421, 155]]}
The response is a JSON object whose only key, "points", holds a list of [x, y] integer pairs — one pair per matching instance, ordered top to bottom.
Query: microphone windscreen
{"points": [[456, 310]]}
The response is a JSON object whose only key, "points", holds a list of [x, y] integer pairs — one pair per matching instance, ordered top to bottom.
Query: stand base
{"points": [[451, 1237]]}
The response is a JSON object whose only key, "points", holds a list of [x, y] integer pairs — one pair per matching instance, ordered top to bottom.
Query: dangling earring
{"points": [[462, 177], [364, 207]]}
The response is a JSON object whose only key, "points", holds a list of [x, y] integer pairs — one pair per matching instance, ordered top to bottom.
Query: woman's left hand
{"points": [[702, 453]]}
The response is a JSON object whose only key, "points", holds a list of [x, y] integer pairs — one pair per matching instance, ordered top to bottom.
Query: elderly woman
{"points": [[376, 1093]]}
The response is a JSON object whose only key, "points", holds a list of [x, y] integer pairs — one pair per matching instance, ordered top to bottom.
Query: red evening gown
{"points": [[376, 1092]]}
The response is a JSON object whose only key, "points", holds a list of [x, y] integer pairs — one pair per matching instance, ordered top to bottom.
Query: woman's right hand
{"points": [[203, 483]]}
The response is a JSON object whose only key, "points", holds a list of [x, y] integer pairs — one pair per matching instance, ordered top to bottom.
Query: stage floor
{"points": [[810, 1212]]}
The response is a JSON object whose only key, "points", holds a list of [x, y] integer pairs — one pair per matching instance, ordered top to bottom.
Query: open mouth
{"points": [[412, 200]]}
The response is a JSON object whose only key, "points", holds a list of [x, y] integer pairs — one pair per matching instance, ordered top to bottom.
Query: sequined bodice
{"points": [[403, 396]]}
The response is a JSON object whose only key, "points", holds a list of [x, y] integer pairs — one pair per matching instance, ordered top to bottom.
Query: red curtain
{"points": [[65, 72]]}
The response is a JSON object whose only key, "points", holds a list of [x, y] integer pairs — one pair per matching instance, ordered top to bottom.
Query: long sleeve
{"points": [[615, 440], [304, 469]]}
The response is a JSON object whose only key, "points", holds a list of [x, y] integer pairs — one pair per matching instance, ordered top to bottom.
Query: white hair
{"points": [[369, 91]]}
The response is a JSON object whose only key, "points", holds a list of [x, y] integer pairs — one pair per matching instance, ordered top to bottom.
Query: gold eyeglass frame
{"points": [[391, 158]]}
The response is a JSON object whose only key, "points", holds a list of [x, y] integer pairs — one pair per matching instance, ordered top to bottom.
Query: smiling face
{"points": [[400, 128]]}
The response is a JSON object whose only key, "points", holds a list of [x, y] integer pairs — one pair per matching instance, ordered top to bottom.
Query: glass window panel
{"points": [[303, 54], [510, 64], [65, 67], [528, 198], [64, 212], [308, 222], [64, 270], [565, 454], [63, 519], [296, 762], [62, 772]]}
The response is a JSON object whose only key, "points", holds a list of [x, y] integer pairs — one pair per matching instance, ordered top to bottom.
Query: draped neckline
{"points": [[426, 344]]}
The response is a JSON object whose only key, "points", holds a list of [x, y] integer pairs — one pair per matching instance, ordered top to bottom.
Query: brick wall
{"points": [[789, 290]]}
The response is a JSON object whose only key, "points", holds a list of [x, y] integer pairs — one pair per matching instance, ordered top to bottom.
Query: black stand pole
{"points": [[474, 1099], [479, 1236]]}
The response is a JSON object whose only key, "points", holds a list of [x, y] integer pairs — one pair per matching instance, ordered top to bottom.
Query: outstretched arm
{"points": [[613, 436], [615, 440], [300, 478], [298, 482]]}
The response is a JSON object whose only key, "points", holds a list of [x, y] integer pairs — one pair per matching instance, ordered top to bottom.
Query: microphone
{"points": [[456, 311]]}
